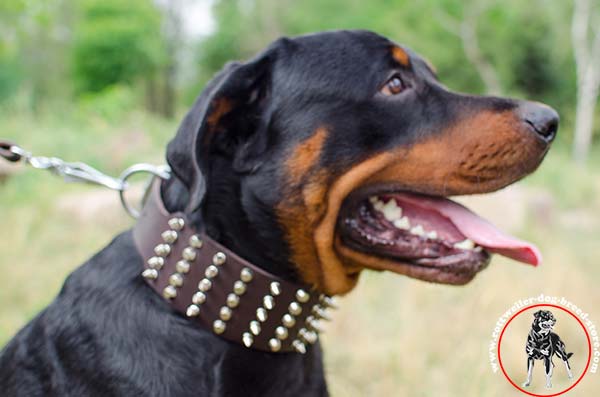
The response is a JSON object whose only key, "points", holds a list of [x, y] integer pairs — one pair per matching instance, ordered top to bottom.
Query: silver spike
{"points": [[176, 223], [169, 236], [196, 241], [162, 249], [189, 254], [219, 258], [156, 262], [182, 266], [211, 271], [150, 274], [246, 275], [176, 280], [204, 285], [239, 287], [275, 288], [170, 292], [302, 296], [199, 298], [233, 300], [268, 302], [328, 302], [295, 308], [192, 311], [225, 313], [320, 313], [261, 314], [288, 320], [314, 324], [219, 326], [255, 327], [281, 332], [301, 332], [307, 336], [311, 337], [248, 339], [274, 344], [299, 346]]}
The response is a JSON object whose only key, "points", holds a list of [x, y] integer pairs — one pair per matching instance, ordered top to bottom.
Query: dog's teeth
{"points": [[373, 199], [379, 205], [391, 211], [402, 223], [418, 230], [432, 235], [467, 244], [478, 249]]}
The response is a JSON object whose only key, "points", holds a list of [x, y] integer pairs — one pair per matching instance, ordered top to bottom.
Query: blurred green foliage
{"points": [[116, 42], [9, 73]]}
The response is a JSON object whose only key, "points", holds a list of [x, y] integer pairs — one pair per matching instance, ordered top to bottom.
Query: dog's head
{"points": [[332, 153], [543, 321]]}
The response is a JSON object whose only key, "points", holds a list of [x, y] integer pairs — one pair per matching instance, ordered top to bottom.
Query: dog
{"points": [[324, 155], [543, 344]]}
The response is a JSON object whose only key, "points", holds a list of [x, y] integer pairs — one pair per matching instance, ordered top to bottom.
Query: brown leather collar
{"points": [[218, 290]]}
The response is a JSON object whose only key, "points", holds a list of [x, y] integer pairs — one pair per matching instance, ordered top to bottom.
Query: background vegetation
{"points": [[106, 81]]}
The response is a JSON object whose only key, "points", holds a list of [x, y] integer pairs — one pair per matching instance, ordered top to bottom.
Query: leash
{"points": [[83, 173]]}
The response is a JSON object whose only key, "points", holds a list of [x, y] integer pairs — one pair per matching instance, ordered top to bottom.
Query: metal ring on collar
{"points": [[163, 172]]}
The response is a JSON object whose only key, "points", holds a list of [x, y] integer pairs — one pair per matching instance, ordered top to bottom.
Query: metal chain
{"points": [[83, 173]]}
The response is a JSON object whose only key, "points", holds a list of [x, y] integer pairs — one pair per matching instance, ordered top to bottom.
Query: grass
{"points": [[392, 335]]}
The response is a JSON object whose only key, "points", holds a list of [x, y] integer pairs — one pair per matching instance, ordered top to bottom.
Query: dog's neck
{"points": [[222, 217], [217, 289]]}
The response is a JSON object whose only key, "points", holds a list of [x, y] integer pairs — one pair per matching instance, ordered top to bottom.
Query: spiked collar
{"points": [[220, 291]]}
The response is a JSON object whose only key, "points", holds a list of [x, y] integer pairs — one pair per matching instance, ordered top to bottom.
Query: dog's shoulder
{"points": [[91, 331], [555, 338]]}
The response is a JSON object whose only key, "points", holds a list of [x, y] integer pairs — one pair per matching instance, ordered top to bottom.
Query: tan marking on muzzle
{"points": [[477, 154]]}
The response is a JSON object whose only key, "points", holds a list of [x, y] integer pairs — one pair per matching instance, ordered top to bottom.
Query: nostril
{"points": [[542, 119], [546, 130], [551, 130]]}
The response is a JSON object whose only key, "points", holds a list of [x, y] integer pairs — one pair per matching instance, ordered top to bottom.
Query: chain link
{"points": [[83, 173]]}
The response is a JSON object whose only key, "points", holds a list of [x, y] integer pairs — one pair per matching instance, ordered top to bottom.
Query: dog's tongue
{"points": [[481, 231]]}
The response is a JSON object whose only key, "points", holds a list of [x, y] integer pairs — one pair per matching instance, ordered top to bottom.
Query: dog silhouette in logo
{"points": [[543, 344]]}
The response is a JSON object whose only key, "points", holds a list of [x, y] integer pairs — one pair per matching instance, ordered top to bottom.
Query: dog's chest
{"points": [[540, 342]]}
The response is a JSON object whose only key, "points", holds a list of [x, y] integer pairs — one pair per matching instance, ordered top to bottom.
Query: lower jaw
{"points": [[458, 273]]}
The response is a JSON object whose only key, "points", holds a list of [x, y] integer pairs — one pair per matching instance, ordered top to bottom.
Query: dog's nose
{"points": [[542, 119]]}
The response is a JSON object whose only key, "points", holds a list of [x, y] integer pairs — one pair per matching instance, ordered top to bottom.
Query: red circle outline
{"points": [[584, 330]]}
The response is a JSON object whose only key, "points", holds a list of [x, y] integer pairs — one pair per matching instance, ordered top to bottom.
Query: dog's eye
{"points": [[393, 86]]}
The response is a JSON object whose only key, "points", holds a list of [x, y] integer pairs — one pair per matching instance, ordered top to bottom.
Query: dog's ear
{"points": [[227, 118], [537, 314]]}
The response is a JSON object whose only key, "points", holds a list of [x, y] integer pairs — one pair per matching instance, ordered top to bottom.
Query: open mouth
{"points": [[448, 242], [547, 325]]}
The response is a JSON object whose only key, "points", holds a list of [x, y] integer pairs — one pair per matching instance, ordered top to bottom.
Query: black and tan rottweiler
{"points": [[325, 155], [543, 344]]}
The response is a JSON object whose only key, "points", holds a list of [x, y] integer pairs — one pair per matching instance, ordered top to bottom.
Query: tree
{"points": [[466, 30], [117, 42], [586, 47]]}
